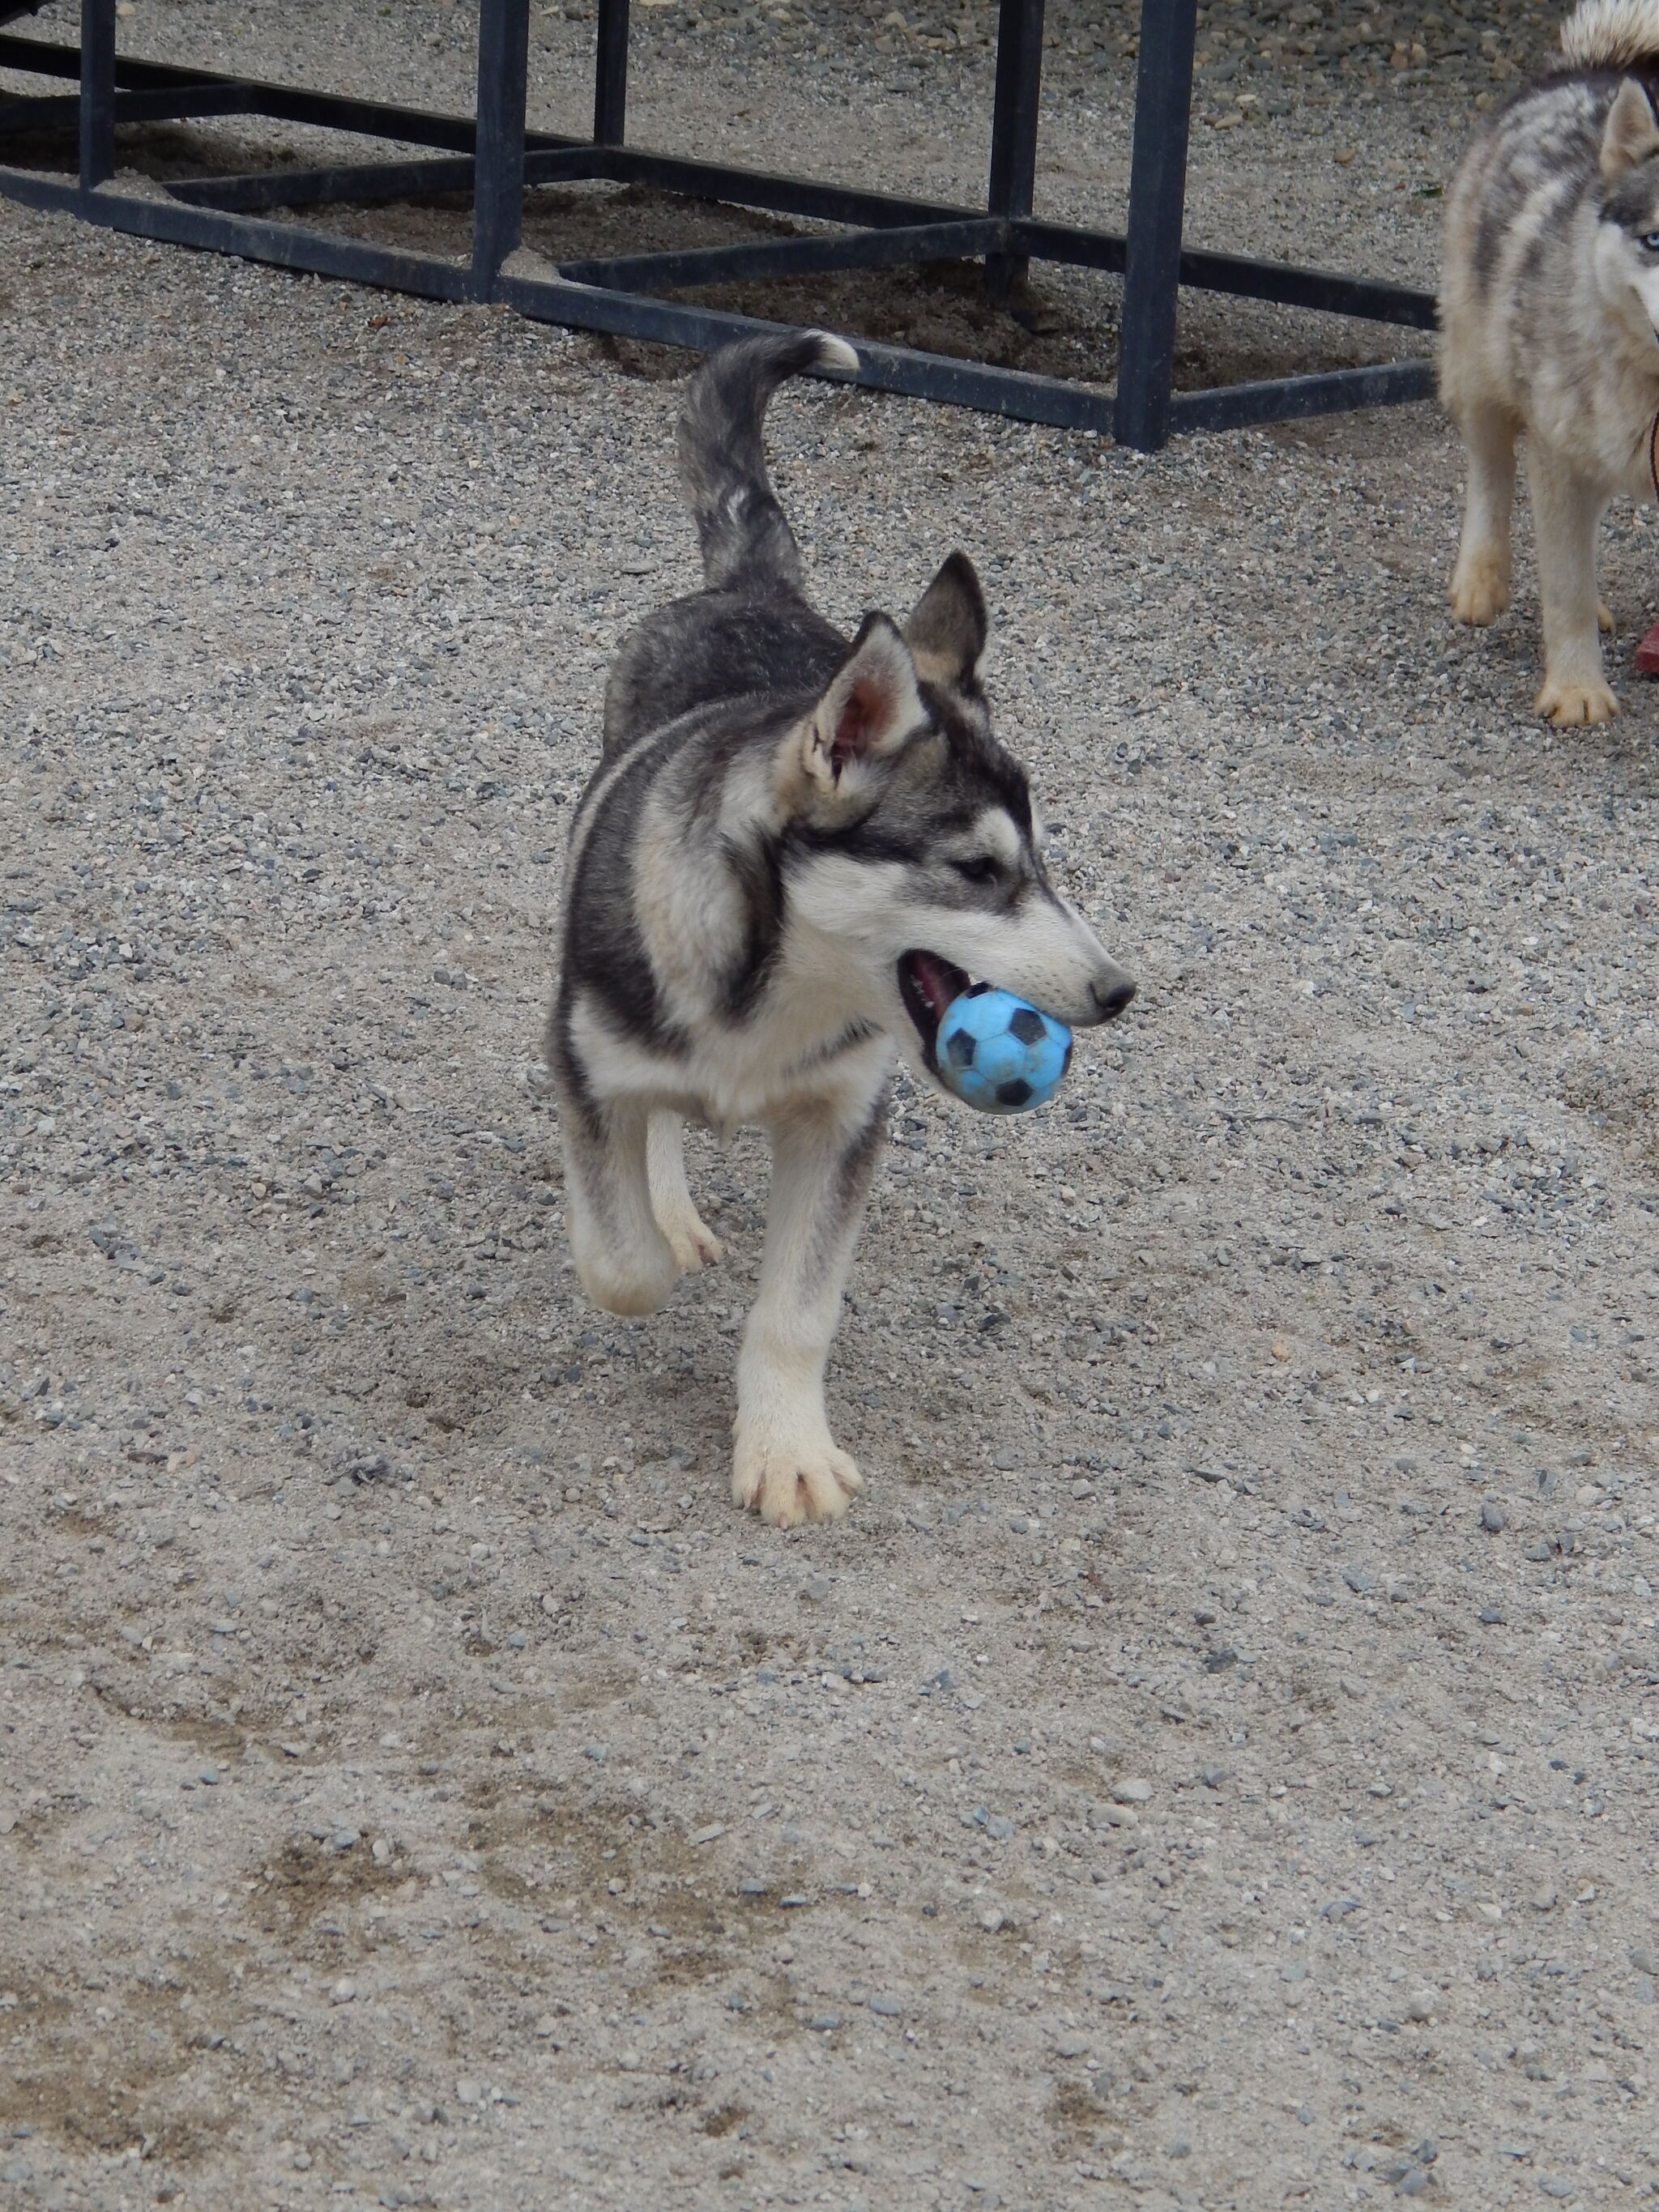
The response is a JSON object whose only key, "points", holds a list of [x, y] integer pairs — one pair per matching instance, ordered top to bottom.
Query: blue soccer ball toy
{"points": [[1000, 1054]]}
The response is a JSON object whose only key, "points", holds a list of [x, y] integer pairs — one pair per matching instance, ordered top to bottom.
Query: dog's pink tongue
{"points": [[939, 980]]}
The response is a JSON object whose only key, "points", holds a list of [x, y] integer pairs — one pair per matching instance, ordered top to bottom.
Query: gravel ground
{"points": [[1213, 1763]]}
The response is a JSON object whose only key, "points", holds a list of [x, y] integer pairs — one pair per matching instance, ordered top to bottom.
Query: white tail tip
{"points": [[1611, 34], [835, 353]]}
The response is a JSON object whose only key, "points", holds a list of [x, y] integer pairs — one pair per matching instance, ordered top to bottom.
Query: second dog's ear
{"points": [[1630, 134], [947, 631], [867, 713]]}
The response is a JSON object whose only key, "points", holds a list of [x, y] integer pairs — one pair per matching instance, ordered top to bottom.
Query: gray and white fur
{"points": [[1549, 308], [796, 849]]}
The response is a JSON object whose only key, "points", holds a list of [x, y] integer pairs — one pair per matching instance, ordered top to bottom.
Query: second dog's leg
{"points": [[1565, 514], [1480, 581], [693, 1244], [620, 1253], [786, 1463]]}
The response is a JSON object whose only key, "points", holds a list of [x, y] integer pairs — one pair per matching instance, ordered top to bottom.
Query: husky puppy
{"points": [[1549, 307], [796, 851]]}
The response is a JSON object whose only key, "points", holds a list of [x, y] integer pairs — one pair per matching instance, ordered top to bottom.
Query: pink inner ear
{"points": [[858, 720]]}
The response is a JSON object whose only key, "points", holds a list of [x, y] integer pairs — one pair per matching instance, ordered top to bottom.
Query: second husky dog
{"points": [[1549, 305], [795, 852]]}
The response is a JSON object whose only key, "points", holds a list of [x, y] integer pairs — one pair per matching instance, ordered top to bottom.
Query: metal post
{"points": [[610, 75], [97, 93], [1014, 132], [498, 162], [1157, 193]]}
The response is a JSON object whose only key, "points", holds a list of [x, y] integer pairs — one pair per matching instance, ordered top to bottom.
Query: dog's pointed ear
{"points": [[1630, 135], [947, 630], [867, 713]]}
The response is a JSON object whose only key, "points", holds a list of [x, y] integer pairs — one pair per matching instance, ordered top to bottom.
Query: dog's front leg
{"points": [[1566, 511], [621, 1254], [786, 1463]]}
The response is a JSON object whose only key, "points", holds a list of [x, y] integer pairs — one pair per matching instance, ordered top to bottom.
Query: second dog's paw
{"points": [[1480, 590], [1604, 621], [1568, 703], [692, 1242], [786, 1484]]}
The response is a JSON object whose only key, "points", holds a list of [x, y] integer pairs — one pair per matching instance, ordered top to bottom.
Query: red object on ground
{"points": [[1647, 654]]}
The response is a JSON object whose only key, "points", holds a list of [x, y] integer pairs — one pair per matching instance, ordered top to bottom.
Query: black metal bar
{"points": [[610, 75], [97, 93], [285, 103], [40, 112], [1014, 130], [354, 182], [360, 182], [498, 187], [761, 188], [1158, 192], [282, 244], [788, 257], [1318, 289], [1368, 298], [1238, 406]]}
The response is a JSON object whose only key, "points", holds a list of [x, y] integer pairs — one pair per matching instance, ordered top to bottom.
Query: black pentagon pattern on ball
{"points": [[975, 991], [1027, 1025], [960, 1050], [1013, 1094]]}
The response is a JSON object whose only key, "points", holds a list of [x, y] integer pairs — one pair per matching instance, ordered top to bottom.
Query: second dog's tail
{"points": [[1621, 35], [740, 525]]}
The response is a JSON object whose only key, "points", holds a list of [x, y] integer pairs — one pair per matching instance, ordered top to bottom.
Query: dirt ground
{"points": [[1213, 1766]]}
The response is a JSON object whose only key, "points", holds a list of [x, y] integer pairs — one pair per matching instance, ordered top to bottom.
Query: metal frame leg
{"points": [[610, 75], [97, 93], [1014, 132], [498, 160], [1157, 195]]}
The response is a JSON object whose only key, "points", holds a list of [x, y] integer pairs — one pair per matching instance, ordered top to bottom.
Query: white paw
{"points": [[1480, 588], [1566, 702], [692, 1242], [788, 1481]]}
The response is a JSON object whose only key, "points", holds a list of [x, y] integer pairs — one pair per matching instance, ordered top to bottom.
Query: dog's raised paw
{"points": [[1480, 591], [1570, 704], [693, 1244], [812, 1482]]}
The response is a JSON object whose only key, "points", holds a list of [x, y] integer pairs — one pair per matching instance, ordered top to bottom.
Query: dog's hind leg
{"points": [[1480, 581], [690, 1240], [622, 1255], [786, 1463]]}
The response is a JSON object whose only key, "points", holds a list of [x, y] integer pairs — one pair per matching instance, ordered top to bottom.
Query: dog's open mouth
{"points": [[927, 985]]}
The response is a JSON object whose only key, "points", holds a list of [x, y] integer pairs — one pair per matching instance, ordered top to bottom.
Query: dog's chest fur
{"points": [[693, 974]]}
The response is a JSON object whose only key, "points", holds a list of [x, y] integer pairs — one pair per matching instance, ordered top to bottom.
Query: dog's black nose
{"points": [[1110, 998]]}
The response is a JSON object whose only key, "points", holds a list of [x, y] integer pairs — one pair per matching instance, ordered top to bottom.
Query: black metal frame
{"points": [[495, 157]]}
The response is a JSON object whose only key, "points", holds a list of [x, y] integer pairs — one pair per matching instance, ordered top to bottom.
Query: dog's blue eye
{"points": [[1650, 242], [984, 869]]}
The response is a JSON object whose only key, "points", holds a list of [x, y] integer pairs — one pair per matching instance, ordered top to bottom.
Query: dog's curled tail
{"points": [[1612, 35], [740, 525]]}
